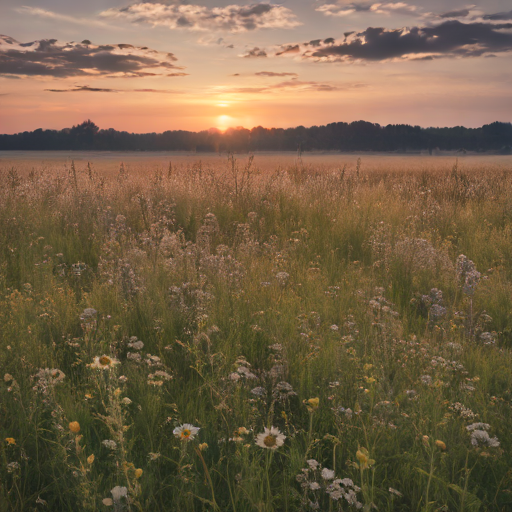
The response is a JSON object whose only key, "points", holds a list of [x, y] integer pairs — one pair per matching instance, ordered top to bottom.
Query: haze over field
{"points": [[149, 66]]}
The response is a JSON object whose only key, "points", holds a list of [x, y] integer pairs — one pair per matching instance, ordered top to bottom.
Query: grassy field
{"points": [[238, 335]]}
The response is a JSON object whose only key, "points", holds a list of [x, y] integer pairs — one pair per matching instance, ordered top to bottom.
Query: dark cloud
{"points": [[455, 14], [500, 16], [232, 18], [449, 39], [255, 52], [49, 58], [272, 73], [82, 88], [86, 88]]}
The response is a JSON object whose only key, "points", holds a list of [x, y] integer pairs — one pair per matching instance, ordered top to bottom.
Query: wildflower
{"points": [[282, 277], [88, 314], [135, 343], [104, 362], [8, 377], [123, 379], [426, 379], [259, 391], [126, 401], [312, 404], [74, 426], [185, 432], [271, 438], [482, 438], [10, 440], [425, 440], [110, 444], [440, 445], [203, 447], [153, 456], [364, 458], [90, 459], [312, 463], [12, 467], [138, 473], [327, 474], [314, 486], [118, 493]]}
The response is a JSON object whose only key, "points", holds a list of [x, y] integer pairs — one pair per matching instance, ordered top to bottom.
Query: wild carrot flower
{"points": [[185, 432], [271, 438], [327, 474]]}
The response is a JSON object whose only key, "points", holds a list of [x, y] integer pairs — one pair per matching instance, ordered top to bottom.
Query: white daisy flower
{"points": [[104, 362], [186, 432], [271, 438]]}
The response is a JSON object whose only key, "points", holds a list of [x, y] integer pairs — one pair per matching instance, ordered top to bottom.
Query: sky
{"points": [[150, 66]]}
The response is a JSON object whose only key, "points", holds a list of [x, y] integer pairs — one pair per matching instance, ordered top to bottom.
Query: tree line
{"points": [[356, 136]]}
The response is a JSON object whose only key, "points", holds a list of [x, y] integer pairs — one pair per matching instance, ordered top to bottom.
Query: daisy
{"points": [[104, 362], [185, 432], [271, 438]]}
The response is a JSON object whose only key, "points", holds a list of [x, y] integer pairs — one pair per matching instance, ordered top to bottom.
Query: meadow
{"points": [[266, 334]]}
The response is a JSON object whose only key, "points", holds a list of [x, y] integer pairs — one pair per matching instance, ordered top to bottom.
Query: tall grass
{"points": [[332, 307]]}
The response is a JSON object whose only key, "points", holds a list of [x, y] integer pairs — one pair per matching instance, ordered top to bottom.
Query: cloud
{"points": [[346, 9], [462, 13], [54, 16], [500, 16], [232, 18], [448, 39], [290, 48], [255, 52], [50, 58], [272, 73], [295, 85], [82, 88], [86, 88]]}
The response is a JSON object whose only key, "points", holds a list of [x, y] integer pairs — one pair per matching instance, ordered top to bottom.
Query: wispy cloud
{"points": [[54, 16], [232, 18], [50, 58], [291, 85]]}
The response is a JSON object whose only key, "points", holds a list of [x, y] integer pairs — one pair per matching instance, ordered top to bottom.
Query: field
{"points": [[187, 333]]}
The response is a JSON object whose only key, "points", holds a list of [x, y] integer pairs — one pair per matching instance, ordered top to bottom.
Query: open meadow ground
{"points": [[187, 333]]}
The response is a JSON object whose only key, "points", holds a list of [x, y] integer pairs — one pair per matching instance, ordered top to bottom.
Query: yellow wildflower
{"points": [[74, 426], [10, 440]]}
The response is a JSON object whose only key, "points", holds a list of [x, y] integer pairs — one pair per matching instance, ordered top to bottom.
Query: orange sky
{"points": [[217, 64]]}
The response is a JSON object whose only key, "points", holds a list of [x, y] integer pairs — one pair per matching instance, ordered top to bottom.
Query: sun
{"points": [[224, 122]]}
